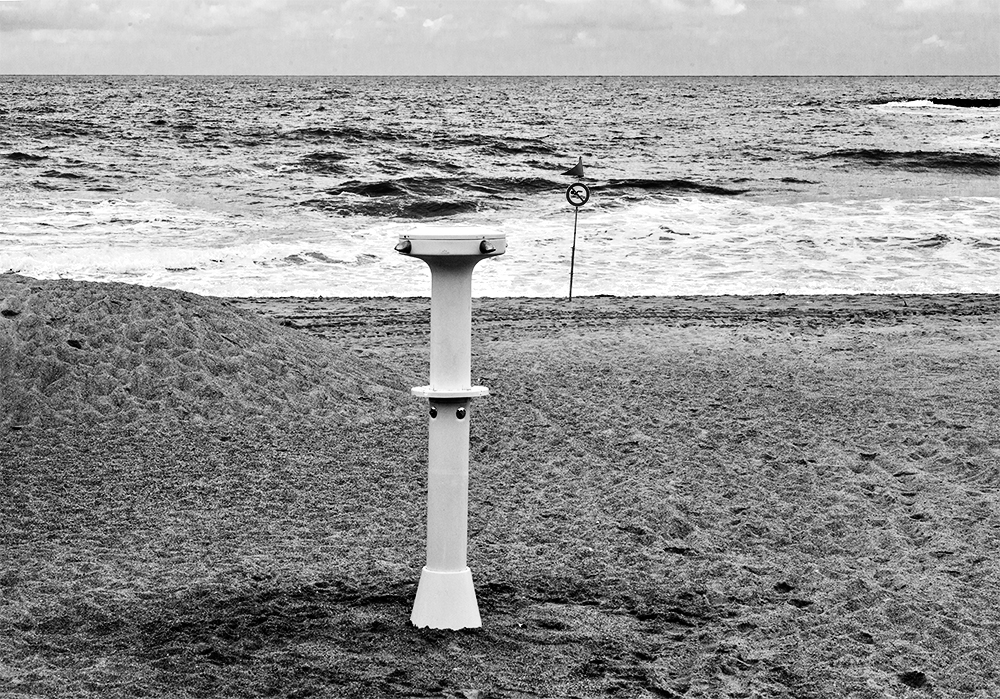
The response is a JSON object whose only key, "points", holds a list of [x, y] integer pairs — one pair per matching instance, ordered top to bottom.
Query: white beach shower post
{"points": [[446, 597]]}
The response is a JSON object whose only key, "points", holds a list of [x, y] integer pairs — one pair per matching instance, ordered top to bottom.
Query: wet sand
{"points": [[385, 320]]}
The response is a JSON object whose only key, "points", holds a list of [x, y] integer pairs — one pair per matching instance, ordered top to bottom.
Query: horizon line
{"points": [[509, 75]]}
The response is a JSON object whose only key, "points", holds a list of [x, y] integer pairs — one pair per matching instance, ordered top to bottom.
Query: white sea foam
{"points": [[918, 106], [689, 245]]}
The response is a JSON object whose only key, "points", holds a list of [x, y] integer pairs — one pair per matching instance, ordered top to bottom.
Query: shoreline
{"points": [[373, 317]]}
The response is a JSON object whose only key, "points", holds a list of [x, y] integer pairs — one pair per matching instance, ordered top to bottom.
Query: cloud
{"points": [[923, 5], [989, 6], [728, 7], [359, 10], [55, 14], [530, 14], [634, 15], [190, 16], [218, 17], [222, 18], [433, 26], [52, 36], [498, 36]]}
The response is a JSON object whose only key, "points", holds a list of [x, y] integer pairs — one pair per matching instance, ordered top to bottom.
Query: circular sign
{"points": [[578, 194]]}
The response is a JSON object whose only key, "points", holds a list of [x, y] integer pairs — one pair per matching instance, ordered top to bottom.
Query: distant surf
{"points": [[965, 102], [971, 163]]}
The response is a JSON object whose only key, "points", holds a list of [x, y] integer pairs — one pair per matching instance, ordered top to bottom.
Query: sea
{"points": [[302, 186]]}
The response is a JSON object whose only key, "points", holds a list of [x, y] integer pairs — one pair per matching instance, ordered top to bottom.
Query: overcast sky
{"points": [[506, 37]]}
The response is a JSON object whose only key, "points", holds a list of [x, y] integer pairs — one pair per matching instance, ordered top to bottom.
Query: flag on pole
{"points": [[576, 170]]}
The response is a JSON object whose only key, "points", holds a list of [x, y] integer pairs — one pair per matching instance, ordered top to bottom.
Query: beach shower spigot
{"points": [[446, 596]]}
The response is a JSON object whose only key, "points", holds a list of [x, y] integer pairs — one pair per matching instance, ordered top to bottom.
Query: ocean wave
{"points": [[965, 102], [68, 128], [341, 133], [433, 140], [495, 145], [517, 146], [20, 157], [324, 157], [424, 161], [324, 162], [969, 163], [60, 175], [60, 180], [795, 180], [514, 185], [670, 185], [433, 186], [379, 188], [432, 196], [408, 197], [397, 207], [435, 208], [934, 241], [313, 257]]}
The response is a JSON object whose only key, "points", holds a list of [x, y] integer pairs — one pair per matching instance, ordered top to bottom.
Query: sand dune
{"points": [[84, 353]]}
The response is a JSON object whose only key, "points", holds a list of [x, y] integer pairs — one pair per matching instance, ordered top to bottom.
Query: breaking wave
{"points": [[967, 102], [20, 157], [968, 163], [669, 185], [434, 196], [394, 207]]}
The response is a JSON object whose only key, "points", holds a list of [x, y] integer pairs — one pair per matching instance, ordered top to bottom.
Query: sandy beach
{"points": [[762, 496]]}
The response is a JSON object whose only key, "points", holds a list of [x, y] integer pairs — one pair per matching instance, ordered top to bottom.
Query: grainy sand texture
{"points": [[669, 497]]}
